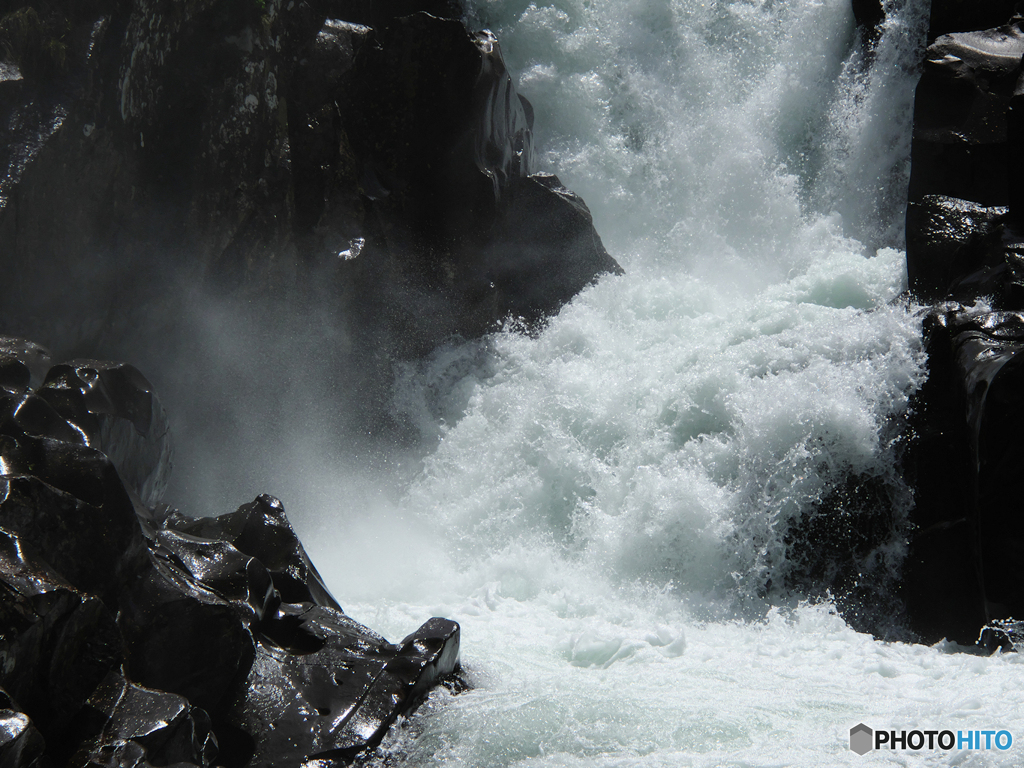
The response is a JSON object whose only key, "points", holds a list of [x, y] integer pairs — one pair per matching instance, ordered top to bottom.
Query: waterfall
{"points": [[608, 506]]}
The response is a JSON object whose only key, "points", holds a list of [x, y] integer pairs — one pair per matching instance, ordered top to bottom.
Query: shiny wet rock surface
{"points": [[134, 635]]}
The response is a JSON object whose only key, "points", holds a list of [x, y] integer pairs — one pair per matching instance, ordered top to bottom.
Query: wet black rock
{"points": [[868, 13], [961, 140], [439, 144], [955, 248], [965, 250], [529, 270], [23, 365], [113, 407], [41, 500], [261, 530], [847, 549], [961, 571], [135, 635], [59, 642], [334, 687], [124, 724], [21, 745]]}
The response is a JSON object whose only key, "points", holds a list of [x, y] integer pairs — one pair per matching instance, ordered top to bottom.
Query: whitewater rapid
{"points": [[603, 506]]}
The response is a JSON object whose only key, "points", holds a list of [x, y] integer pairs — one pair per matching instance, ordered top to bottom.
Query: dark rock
{"points": [[869, 15], [964, 15], [438, 127], [960, 136], [311, 141], [218, 153], [1015, 158], [153, 178], [328, 208], [455, 222], [965, 245], [954, 248], [546, 252], [988, 354], [22, 365], [109, 407], [115, 408], [961, 459], [73, 512], [261, 530], [847, 549], [216, 564], [960, 572], [941, 582], [168, 622], [1002, 634], [133, 635], [57, 642], [427, 655], [300, 677], [337, 698], [135, 727], [21, 745]]}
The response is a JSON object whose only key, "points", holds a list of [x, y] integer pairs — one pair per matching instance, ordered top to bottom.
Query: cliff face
{"points": [[370, 155], [357, 176], [965, 252]]}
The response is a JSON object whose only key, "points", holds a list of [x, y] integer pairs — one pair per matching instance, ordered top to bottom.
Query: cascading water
{"points": [[604, 506]]}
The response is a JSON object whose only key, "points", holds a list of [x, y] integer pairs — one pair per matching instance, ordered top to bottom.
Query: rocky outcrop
{"points": [[965, 16], [960, 141], [372, 157], [361, 169], [451, 223], [955, 248], [965, 251], [962, 572], [132, 634]]}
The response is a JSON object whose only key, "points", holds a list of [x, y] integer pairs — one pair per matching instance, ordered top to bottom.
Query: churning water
{"points": [[603, 507]]}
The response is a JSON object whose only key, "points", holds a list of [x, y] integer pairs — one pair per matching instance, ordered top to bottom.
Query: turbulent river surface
{"points": [[603, 506]]}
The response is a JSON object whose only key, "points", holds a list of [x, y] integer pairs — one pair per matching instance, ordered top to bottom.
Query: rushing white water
{"points": [[603, 507]]}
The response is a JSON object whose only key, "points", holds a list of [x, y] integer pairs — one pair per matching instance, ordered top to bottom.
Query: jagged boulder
{"points": [[364, 157], [454, 224], [965, 250], [261, 530], [133, 634], [123, 724], [21, 745]]}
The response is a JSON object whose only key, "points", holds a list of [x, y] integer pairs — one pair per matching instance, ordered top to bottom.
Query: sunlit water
{"points": [[603, 507]]}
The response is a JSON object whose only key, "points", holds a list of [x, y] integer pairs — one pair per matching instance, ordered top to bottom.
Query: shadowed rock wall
{"points": [[965, 252], [132, 634]]}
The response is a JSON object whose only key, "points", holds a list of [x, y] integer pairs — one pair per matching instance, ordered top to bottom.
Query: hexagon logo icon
{"points": [[860, 739]]}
